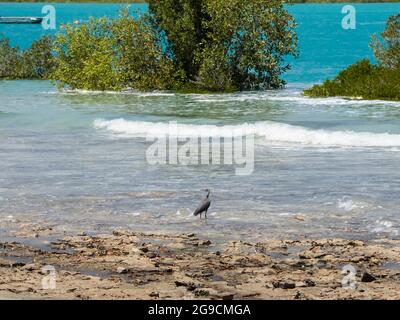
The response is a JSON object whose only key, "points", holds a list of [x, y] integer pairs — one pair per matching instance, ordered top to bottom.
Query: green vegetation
{"points": [[78, 1], [343, 1], [182, 45], [227, 45], [387, 53], [111, 55], [85, 57], [33, 63], [361, 80], [365, 80]]}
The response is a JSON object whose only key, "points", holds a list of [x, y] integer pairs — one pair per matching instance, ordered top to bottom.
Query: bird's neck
{"points": [[208, 194]]}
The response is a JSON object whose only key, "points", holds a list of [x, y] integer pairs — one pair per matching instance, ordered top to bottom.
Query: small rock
{"points": [[201, 243], [232, 243], [355, 243], [151, 255], [357, 259], [4, 263], [17, 264], [30, 267], [122, 270], [367, 277], [310, 283], [300, 284], [189, 285], [284, 285], [335, 286], [202, 292], [154, 294], [213, 294], [227, 296], [300, 296]]}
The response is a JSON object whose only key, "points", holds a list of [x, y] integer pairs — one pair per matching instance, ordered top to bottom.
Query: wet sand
{"points": [[132, 265]]}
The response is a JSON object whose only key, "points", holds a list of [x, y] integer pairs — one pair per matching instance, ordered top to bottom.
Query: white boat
{"points": [[21, 20]]}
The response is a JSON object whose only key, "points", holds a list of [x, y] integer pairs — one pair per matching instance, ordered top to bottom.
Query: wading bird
{"points": [[204, 205]]}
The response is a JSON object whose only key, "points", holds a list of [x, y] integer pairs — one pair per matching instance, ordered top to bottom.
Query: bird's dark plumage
{"points": [[204, 205]]}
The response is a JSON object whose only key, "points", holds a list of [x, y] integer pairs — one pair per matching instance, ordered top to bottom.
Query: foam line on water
{"points": [[109, 92], [289, 96], [269, 132]]}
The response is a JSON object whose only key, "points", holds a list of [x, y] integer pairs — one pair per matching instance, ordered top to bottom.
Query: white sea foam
{"points": [[110, 92], [288, 96], [269, 132], [349, 205], [133, 214], [385, 226]]}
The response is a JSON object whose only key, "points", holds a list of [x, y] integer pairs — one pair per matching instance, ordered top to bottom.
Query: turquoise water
{"points": [[325, 47], [79, 159]]}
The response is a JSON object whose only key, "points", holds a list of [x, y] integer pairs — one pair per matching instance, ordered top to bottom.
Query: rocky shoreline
{"points": [[132, 265]]}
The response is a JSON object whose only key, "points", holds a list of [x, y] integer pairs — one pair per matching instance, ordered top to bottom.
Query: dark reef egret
{"points": [[204, 205]]}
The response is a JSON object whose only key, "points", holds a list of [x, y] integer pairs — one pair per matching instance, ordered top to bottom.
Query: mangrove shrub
{"points": [[182, 45], [387, 52], [34, 63], [366, 80]]}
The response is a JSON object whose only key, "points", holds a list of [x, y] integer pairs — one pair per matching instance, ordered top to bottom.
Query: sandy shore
{"points": [[131, 265]]}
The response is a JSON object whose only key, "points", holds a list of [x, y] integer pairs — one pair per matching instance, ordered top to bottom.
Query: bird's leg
{"points": [[205, 214], [200, 216]]}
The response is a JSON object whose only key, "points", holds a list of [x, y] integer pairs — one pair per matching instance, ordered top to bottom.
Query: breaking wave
{"points": [[271, 132]]}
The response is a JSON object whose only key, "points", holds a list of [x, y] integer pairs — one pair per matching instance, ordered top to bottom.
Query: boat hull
{"points": [[20, 20]]}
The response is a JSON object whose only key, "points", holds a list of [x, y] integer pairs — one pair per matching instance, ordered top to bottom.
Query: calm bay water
{"points": [[78, 159]]}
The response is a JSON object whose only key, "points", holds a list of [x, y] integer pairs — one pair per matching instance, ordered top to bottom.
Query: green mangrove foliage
{"points": [[142, 1], [189, 45], [228, 45], [387, 53], [112, 55], [85, 56], [10, 60], [142, 62], [34, 63], [361, 80], [365, 80]]}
